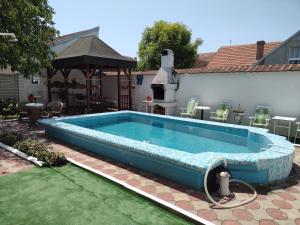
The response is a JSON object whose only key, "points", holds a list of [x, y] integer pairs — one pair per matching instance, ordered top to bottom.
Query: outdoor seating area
{"points": [[173, 118]]}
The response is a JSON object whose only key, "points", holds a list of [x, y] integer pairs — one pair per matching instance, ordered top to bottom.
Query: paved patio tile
{"points": [[10, 163], [149, 189], [165, 196], [286, 196], [275, 204], [282, 204], [186, 205], [252, 205], [207, 214], [224, 214], [242, 214], [261, 214], [277, 214], [230, 222], [267, 222]]}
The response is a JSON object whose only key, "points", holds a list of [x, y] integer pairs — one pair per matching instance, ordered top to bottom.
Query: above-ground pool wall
{"points": [[280, 90]]}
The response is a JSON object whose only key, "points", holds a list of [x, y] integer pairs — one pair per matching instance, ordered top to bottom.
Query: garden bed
{"points": [[31, 150]]}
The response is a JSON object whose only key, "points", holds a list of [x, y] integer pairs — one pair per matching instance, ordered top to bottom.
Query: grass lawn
{"points": [[70, 195]]}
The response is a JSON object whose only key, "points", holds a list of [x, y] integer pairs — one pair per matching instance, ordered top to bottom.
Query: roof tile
{"points": [[234, 55], [230, 69]]}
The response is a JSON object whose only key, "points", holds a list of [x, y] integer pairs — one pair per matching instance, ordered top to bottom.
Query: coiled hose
{"points": [[233, 180]]}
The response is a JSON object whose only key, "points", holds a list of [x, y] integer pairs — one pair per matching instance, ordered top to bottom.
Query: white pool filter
{"points": [[224, 181]]}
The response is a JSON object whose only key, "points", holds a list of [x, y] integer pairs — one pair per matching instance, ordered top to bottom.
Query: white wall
{"points": [[9, 86], [26, 87], [280, 90], [140, 92]]}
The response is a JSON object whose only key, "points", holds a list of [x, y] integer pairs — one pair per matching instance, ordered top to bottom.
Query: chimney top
{"points": [[262, 42], [260, 45]]}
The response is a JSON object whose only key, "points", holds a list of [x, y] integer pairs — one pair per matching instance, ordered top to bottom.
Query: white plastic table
{"points": [[147, 104], [202, 108], [288, 120]]}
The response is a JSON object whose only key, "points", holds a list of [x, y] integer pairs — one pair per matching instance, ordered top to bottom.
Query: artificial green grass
{"points": [[70, 195]]}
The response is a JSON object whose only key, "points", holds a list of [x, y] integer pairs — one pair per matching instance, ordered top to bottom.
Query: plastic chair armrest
{"points": [[183, 109]]}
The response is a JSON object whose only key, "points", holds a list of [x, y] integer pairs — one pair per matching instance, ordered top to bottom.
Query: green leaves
{"points": [[31, 21], [162, 35]]}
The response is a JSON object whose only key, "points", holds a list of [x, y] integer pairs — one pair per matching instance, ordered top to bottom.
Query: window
{"points": [[294, 55], [35, 80]]}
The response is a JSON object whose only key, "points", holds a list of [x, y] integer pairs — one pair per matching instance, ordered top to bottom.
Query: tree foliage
{"points": [[31, 22], [162, 35]]}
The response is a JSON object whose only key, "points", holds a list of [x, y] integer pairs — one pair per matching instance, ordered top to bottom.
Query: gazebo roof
{"points": [[90, 50]]}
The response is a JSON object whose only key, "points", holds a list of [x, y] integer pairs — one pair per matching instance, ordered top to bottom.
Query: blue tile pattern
{"points": [[276, 159]]}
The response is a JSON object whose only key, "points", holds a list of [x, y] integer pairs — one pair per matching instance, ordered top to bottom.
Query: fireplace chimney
{"points": [[260, 45], [164, 85]]}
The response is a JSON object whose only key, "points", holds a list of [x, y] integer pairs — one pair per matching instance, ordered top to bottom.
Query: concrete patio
{"points": [[276, 204]]}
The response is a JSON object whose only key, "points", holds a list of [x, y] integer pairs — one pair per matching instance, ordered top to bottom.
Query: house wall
{"points": [[281, 55], [9, 86], [26, 87], [280, 90]]}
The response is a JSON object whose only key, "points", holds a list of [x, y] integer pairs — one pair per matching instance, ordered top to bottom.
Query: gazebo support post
{"points": [[65, 72], [50, 74], [87, 77], [100, 82], [129, 89], [119, 90]]}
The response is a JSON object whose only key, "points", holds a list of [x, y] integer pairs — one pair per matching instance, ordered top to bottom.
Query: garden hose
{"points": [[233, 180]]}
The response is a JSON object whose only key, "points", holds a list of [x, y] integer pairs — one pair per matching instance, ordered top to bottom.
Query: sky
{"points": [[217, 22]]}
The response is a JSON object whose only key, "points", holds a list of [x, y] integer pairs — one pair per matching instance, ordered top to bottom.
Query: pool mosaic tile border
{"points": [[276, 160]]}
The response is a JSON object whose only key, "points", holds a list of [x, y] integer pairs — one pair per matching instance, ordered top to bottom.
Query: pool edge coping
{"points": [[180, 158]]}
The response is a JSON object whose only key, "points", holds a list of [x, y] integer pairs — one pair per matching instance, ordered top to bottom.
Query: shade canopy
{"points": [[90, 50]]}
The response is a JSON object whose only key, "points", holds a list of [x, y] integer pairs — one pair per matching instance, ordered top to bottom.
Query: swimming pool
{"points": [[177, 148]]}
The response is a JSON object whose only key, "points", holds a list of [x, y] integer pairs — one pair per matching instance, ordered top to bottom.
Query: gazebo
{"points": [[92, 56]]}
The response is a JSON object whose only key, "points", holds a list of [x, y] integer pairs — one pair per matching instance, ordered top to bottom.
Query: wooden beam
{"points": [[65, 72], [50, 73], [126, 73], [92, 74], [87, 78], [100, 83], [129, 89], [119, 91]]}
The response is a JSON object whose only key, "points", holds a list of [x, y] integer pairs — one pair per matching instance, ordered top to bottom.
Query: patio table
{"points": [[147, 104], [202, 108], [34, 111], [238, 115], [288, 120]]}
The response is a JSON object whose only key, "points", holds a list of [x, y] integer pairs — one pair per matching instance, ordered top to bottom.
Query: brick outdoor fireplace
{"points": [[164, 86]]}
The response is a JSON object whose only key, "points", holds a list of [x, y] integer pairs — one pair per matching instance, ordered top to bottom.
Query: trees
{"points": [[31, 21], [161, 35]]}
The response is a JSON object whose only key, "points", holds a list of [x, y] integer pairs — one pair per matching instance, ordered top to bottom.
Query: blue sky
{"points": [[122, 22]]}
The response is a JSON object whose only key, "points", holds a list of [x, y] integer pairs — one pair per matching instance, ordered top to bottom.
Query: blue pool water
{"points": [[187, 138], [176, 148]]}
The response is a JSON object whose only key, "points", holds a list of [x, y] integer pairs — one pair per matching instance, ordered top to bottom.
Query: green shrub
{"points": [[8, 107], [10, 138], [24, 146], [38, 149], [56, 159]]}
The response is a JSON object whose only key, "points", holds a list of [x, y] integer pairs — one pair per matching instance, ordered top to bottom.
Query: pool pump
{"points": [[221, 177], [224, 183]]}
